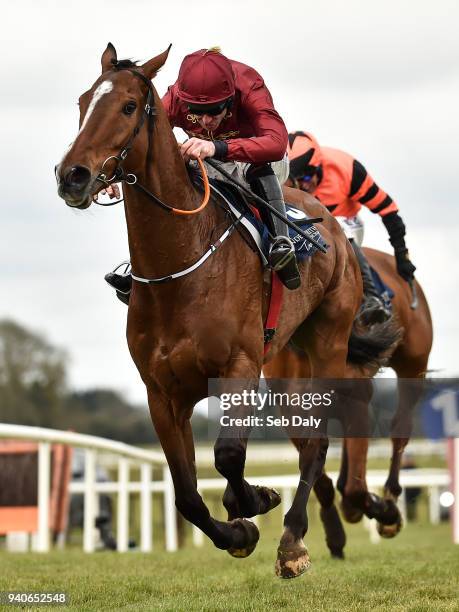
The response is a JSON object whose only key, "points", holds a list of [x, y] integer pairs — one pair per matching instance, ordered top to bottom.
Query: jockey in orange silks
{"points": [[343, 185]]}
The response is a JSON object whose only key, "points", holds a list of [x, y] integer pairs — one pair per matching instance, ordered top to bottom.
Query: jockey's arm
{"points": [[270, 139], [365, 191], [396, 229]]}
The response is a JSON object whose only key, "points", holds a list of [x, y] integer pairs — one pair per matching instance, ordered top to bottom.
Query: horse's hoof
{"points": [[269, 499], [350, 513], [390, 520], [389, 531], [250, 536], [337, 554], [292, 563]]}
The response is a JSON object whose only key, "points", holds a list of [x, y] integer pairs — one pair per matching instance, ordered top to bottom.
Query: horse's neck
{"points": [[160, 242]]}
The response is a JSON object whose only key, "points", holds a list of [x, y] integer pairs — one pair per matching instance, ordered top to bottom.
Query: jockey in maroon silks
{"points": [[228, 113], [343, 185]]}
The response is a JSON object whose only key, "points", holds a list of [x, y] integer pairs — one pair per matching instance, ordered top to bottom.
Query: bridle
{"points": [[119, 175]]}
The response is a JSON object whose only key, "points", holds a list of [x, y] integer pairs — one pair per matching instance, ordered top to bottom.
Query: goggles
{"points": [[212, 110], [306, 178]]}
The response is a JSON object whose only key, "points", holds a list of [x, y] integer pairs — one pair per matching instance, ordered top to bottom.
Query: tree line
{"points": [[34, 391]]}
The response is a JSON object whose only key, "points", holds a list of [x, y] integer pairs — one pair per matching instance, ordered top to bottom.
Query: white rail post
{"points": [[44, 465], [455, 489], [89, 500], [287, 500], [123, 505], [434, 505], [402, 506], [170, 514], [371, 527], [146, 531], [198, 537]]}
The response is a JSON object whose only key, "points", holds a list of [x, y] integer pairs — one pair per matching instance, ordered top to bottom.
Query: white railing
{"points": [[94, 447], [261, 453], [128, 456]]}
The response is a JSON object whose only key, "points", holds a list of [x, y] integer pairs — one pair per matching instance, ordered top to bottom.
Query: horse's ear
{"points": [[107, 56], [151, 67]]}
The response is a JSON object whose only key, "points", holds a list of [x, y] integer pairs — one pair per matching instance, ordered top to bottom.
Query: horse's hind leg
{"points": [[327, 349], [335, 535], [292, 555]]}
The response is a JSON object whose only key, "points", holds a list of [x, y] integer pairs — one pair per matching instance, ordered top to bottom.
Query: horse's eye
{"points": [[129, 108]]}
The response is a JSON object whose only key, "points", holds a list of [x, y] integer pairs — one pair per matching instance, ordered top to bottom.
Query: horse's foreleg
{"points": [[409, 392], [173, 434], [240, 498], [357, 500], [335, 535]]}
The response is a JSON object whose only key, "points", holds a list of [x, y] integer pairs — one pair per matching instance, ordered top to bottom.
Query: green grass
{"points": [[417, 571]]}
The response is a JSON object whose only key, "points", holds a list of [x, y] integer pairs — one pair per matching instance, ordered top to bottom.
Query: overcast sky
{"points": [[378, 79]]}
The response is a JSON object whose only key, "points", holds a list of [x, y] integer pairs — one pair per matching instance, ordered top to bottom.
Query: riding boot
{"points": [[282, 252], [122, 283], [372, 309]]}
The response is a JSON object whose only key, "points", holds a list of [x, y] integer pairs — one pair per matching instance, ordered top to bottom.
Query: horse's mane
{"points": [[123, 64]]}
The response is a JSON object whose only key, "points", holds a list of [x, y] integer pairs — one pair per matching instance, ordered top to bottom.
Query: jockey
{"points": [[228, 113], [342, 185]]}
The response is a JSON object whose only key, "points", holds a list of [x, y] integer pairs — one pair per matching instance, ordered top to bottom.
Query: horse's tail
{"points": [[373, 346]]}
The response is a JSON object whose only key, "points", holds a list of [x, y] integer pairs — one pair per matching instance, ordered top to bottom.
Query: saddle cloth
{"points": [[258, 230]]}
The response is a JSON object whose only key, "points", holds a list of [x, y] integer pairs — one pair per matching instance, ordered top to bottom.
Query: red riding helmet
{"points": [[205, 78], [304, 154]]}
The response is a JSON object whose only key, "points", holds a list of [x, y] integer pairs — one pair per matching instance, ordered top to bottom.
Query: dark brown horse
{"points": [[207, 324], [409, 361]]}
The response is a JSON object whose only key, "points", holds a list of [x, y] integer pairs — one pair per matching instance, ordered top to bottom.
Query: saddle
{"points": [[249, 217]]}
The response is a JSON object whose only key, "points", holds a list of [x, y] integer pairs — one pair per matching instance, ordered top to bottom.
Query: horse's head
{"points": [[112, 113]]}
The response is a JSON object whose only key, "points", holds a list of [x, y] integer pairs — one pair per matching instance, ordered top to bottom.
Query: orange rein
{"points": [[205, 201]]}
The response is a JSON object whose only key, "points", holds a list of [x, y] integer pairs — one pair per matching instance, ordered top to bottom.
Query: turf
{"points": [[416, 571]]}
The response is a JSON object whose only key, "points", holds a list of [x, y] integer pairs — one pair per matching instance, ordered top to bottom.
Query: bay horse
{"points": [[209, 323], [409, 361]]}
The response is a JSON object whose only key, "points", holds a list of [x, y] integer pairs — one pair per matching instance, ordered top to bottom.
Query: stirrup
{"points": [[281, 252], [120, 281]]}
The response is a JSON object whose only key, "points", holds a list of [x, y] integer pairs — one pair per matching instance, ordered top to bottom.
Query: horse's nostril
{"points": [[78, 177]]}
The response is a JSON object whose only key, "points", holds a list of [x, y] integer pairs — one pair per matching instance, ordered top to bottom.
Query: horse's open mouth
{"points": [[79, 201], [80, 204]]}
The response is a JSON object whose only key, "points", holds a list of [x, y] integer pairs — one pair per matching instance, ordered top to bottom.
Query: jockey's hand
{"points": [[195, 148], [113, 191], [404, 266]]}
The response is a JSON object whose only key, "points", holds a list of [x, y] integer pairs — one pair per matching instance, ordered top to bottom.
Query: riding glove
{"points": [[396, 229], [405, 267]]}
